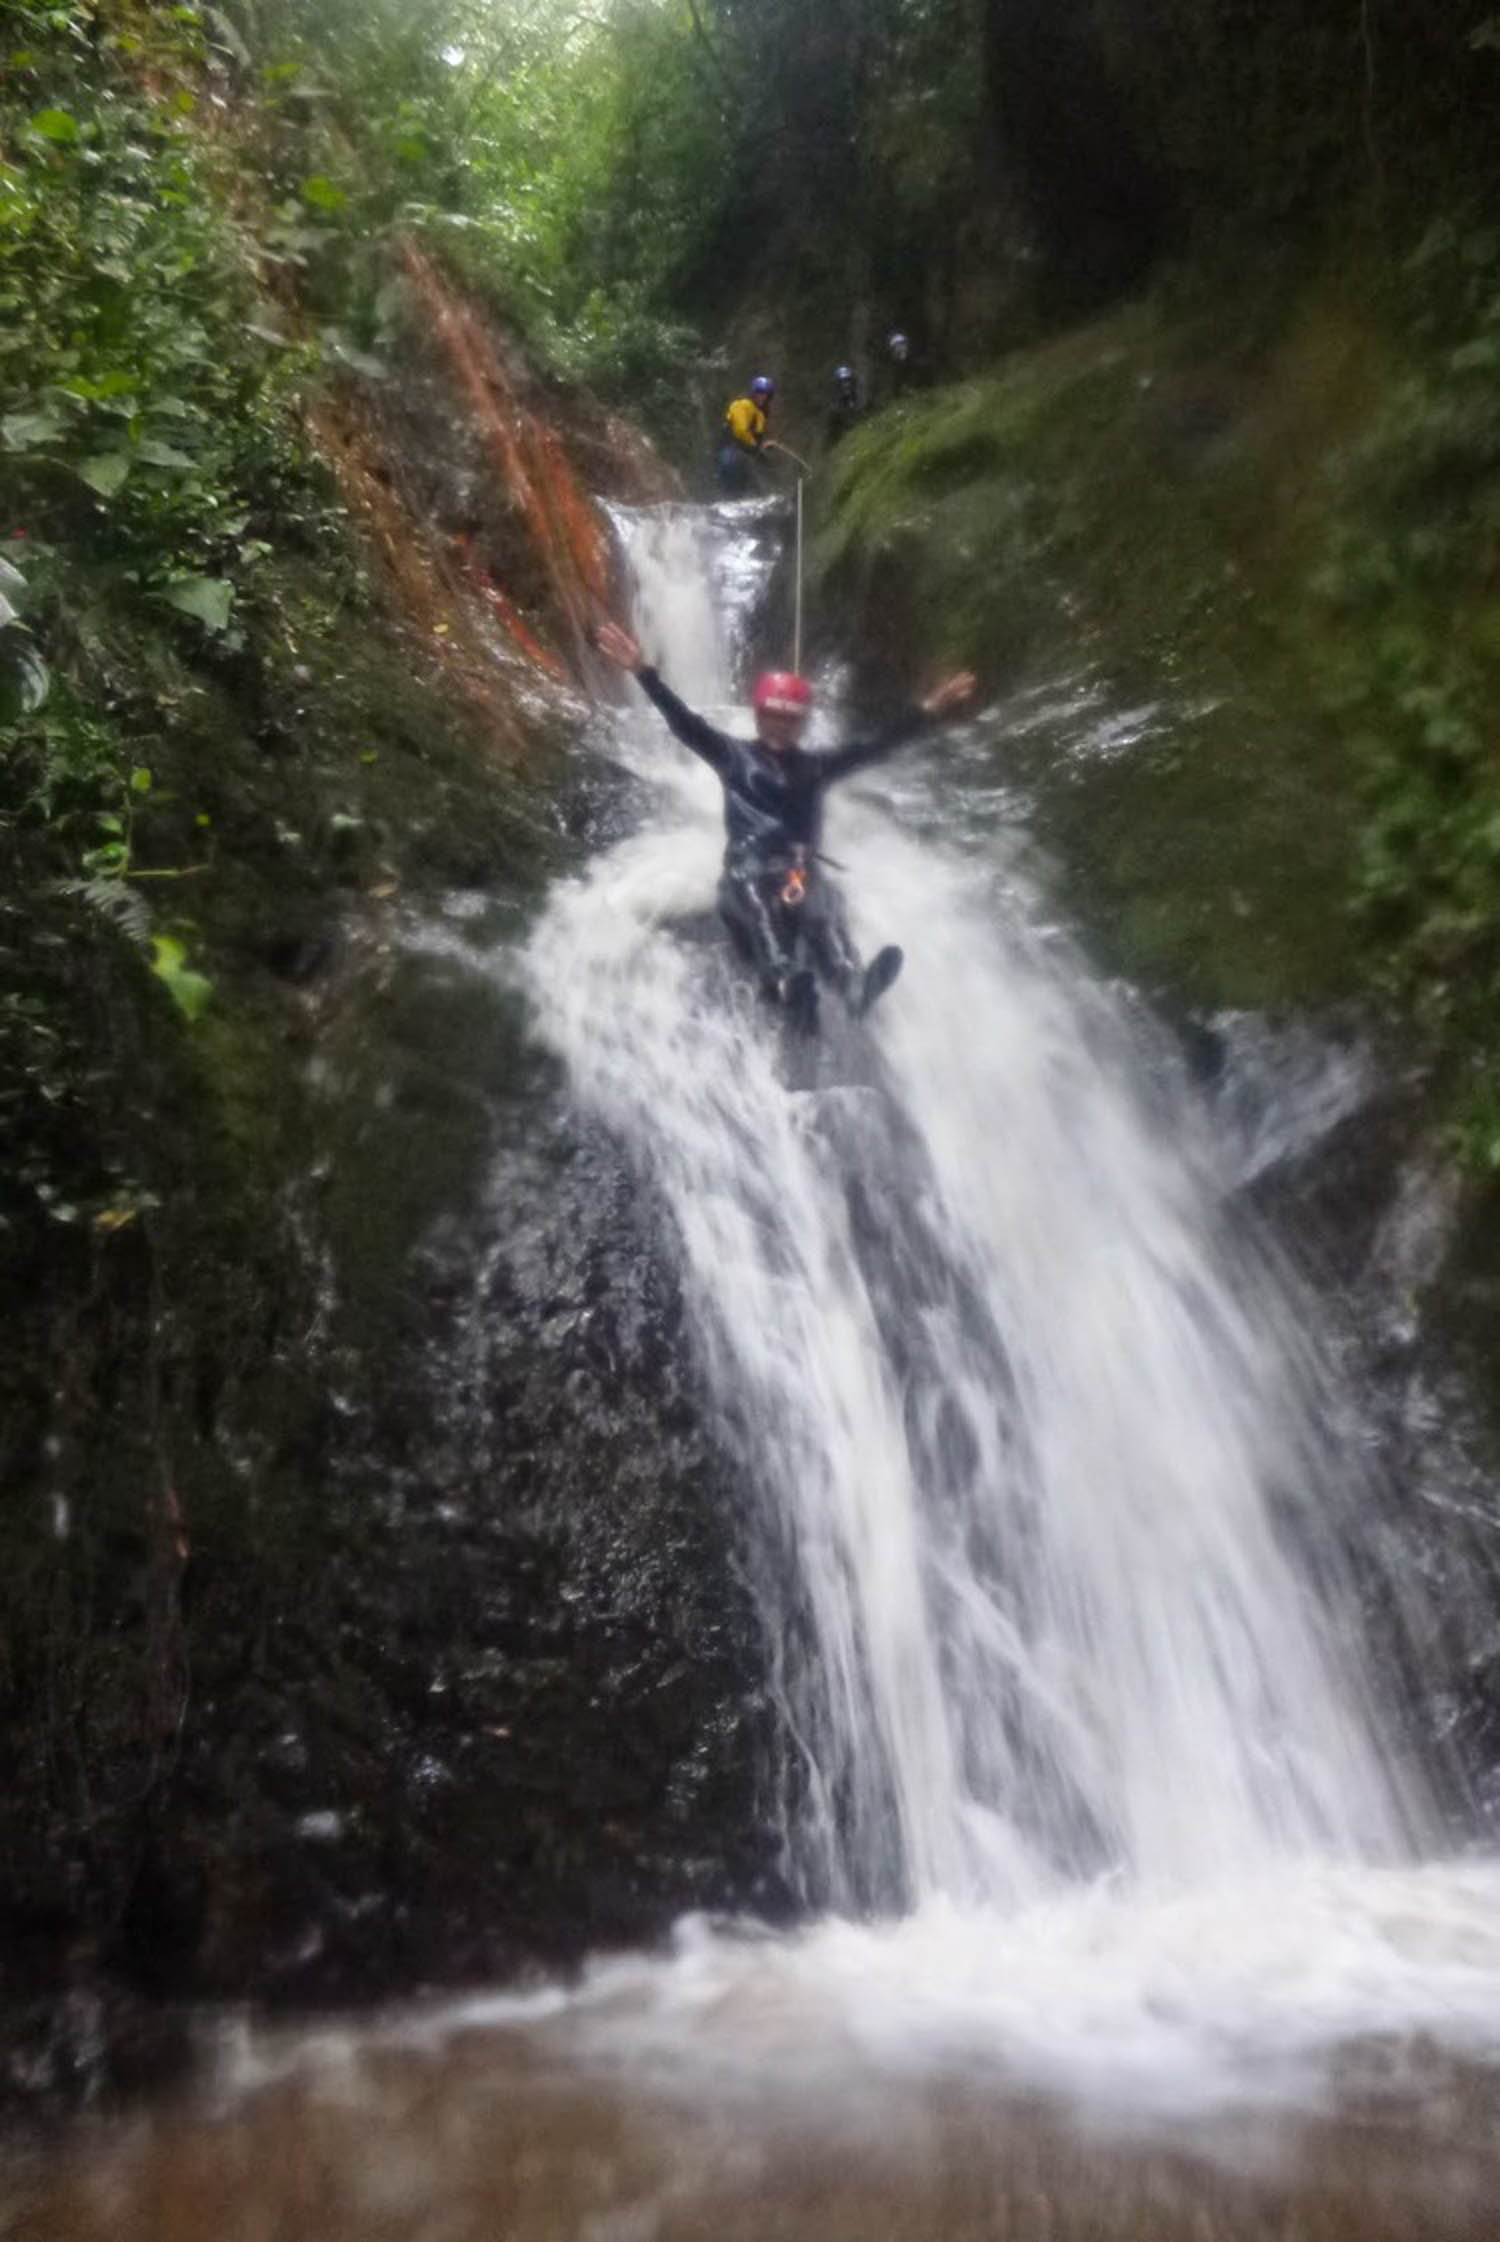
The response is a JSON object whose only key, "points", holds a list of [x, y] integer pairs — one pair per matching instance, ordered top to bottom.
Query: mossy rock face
{"points": [[1129, 518], [1128, 533], [349, 1516]]}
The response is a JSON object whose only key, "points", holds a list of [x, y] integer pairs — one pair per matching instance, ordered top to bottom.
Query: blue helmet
{"points": [[898, 344], [844, 376], [763, 386]]}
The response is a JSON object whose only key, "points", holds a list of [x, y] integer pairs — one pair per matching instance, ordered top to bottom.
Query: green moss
{"points": [[1138, 503]]}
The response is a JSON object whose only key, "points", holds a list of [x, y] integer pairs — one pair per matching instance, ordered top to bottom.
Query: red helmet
{"points": [[783, 692]]}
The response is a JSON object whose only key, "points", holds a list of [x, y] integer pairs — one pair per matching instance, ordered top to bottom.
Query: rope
{"points": [[797, 625]]}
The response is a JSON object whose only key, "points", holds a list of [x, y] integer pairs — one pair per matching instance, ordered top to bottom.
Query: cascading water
{"points": [[1043, 1469], [1046, 1497]]}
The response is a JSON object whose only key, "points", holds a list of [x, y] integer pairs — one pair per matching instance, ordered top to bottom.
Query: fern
{"points": [[115, 900]]}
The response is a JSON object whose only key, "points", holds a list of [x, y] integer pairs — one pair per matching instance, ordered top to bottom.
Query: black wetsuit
{"points": [[843, 413], [773, 822]]}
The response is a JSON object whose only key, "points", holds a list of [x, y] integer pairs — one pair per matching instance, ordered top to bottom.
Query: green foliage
{"points": [[559, 159], [597, 171], [125, 385], [146, 438], [1412, 576], [210, 599], [24, 678], [71, 809], [189, 991]]}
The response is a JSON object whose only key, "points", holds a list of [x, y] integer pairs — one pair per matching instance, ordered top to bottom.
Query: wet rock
{"points": [[299, 955], [1318, 1128], [1329, 1149], [475, 1685], [87, 2045]]}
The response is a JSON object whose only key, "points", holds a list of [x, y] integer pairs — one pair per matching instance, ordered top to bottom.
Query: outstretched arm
{"points": [[620, 648], [953, 693]]}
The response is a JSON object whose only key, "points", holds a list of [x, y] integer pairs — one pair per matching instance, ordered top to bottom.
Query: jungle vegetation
{"points": [[197, 208]]}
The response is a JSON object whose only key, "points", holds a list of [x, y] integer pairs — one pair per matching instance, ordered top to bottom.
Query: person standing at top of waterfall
{"points": [[900, 373], [846, 405], [744, 438], [773, 822]]}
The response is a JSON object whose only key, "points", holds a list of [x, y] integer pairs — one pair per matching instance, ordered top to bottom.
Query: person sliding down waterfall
{"points": [[772, 893]]}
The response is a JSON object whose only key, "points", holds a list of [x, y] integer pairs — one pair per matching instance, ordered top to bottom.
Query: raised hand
{"points": [[617, 645], [954, 692]]}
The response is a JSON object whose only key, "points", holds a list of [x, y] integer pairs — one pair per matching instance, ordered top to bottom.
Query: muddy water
{"points": [[487, 2137]]}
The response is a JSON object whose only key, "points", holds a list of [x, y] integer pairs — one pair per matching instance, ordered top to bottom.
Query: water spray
{"points": [[803, 471]]}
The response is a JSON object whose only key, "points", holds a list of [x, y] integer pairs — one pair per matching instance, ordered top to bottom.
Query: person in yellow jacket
{"points": [[744, 437]]}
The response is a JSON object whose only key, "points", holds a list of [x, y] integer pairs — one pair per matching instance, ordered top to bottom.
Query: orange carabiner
{"points": [[794, 886]]}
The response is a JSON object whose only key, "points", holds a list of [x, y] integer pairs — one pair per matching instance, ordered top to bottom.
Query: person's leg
{"points": [[734, 471], [745, 910], [749, 910], [829, 940], [838, 960], [879, 974]]}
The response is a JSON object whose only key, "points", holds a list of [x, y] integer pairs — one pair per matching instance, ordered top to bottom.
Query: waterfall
{"points": [[1045, 1507], [1120, 1919]]}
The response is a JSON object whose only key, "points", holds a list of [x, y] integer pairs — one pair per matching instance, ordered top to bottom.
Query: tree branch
{"points": [[715, 59]]}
